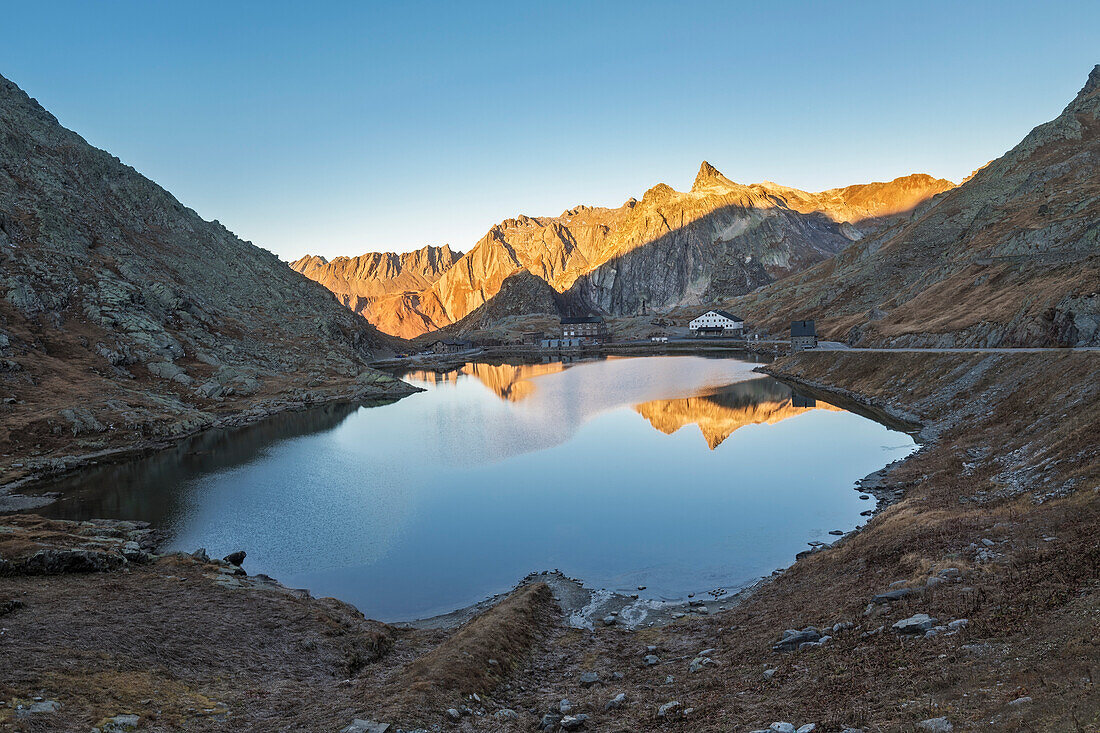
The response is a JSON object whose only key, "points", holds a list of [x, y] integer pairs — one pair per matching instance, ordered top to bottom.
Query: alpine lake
{"points": [[673, 474]]}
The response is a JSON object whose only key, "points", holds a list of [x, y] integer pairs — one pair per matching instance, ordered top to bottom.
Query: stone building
{"points": [[583, 331], [803, 336]]}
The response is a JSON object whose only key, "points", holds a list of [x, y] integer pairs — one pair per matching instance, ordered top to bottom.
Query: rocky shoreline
{"points": [[37, 473], [945, 612]]}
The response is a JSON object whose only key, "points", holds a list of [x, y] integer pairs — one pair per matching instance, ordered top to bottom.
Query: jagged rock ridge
{"points": [[670, 248], [1009, 258], [384, 287]]}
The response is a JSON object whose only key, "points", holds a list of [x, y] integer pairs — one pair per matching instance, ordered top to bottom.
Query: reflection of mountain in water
{"points": [[506, 381], [511, 381], [537, 406], [718, 415]]}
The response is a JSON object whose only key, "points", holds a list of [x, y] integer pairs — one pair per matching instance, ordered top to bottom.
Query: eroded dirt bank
{"points": [[994, 537]]}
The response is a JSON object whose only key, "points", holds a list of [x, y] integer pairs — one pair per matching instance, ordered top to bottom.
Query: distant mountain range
{"points": [[669, 249], [390, 290]]}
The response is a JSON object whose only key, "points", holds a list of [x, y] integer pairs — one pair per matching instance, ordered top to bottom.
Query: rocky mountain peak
{"points": [[1091, 85], [709, 177], [660, 191]]}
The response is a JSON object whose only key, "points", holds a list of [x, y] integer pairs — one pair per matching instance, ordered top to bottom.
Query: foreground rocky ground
{"points": [[971, 603]]}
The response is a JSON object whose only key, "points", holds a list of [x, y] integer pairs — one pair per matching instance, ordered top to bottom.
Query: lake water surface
{"points": [[680, 473]]}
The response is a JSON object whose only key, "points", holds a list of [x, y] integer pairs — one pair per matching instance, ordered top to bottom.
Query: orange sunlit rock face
{"points": [[722, 237], [506, 381], [511, 381], [718, 415]]}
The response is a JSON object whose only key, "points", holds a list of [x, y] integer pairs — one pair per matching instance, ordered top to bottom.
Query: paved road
{"points": [[837, 346]]}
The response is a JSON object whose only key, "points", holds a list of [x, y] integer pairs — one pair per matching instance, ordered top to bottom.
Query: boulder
{"points": [[163, 369], [133, 553], [58, 561], [892, 595], [916, 624], [793, 638], [588, 679], [615, 702], [42, 707], [670, 709], [573, 722], [120, 723], [359, 725], [936, 725]]}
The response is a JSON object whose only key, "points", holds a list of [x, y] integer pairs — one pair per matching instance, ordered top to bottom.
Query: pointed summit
{"points": [[1091, 85], [709, 177]]}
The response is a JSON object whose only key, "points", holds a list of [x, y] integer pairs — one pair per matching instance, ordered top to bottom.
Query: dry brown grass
{"points": [[1033, 609], [505, 634]]}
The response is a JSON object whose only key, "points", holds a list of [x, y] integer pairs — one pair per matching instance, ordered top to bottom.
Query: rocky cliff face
{"points": [[722, 239], [669, 249], [1009, 258], [384, 287], [123, 314]]}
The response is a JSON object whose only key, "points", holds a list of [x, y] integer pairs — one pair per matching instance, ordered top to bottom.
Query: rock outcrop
{"points": [[669, 249], [1009, 258], [125, 316]]}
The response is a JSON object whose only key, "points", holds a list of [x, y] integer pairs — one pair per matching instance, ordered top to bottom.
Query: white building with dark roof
{"points": [[717, 323]]}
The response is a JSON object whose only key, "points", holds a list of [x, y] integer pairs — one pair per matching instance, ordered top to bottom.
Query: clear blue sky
{"points": [[337, 128]]}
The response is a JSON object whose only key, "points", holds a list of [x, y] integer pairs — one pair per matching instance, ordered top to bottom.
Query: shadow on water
{"points": [[147, 488]]}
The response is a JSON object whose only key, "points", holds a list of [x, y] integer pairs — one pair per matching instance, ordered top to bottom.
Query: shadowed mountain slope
{"points": [[1009, 258], [524, 303], [123, 312]]}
